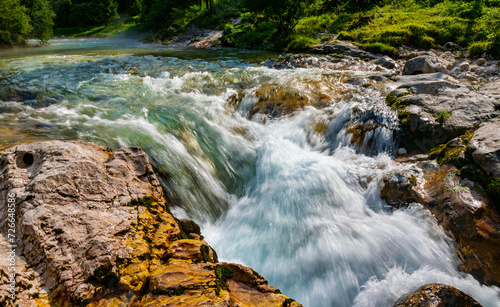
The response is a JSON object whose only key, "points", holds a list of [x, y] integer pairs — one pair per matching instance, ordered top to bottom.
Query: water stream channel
{"points": [[289, 195]]}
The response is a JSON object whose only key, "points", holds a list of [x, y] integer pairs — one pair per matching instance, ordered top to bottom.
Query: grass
{"points": [[122, 25], [382, 29]]}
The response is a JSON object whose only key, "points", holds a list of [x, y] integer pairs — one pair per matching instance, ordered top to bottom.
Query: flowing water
{"points": [[290, 195]]}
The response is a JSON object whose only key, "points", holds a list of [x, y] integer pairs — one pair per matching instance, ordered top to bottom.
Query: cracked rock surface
{"points": [[93, 229]]}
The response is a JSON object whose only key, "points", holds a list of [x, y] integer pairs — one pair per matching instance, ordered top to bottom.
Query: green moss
{"points": [[395, 102], [453, 154], [413, 180], [493, 189], [144, 202], [182, 235], [205, 254], [223, 274], [103, 276]]}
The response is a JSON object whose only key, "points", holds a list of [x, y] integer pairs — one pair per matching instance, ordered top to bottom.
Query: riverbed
{"points": [[293, 195]]}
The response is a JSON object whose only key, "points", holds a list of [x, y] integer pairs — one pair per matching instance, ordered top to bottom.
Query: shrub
{"points": [[380, 48]]}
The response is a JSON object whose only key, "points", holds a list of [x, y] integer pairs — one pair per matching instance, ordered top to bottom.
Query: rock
{"points": [[197, 38], [450, 46], [341, 47], [480, 61], [386, 62], [424, 64], [465, 66], [489, 70], [438, 76], [278, 100], [434, 112], [485, 146], [402, 151], [401, 189], [470, 218], [94, 229], [436, 295]]}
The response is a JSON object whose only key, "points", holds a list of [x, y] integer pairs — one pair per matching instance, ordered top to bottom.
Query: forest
{"points": [[375, 25]]}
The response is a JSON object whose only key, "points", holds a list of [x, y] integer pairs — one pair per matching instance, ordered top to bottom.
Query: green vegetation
{"points": [[124, 25], [379, 26], [443, 116], [458, 154], [223, 274]]}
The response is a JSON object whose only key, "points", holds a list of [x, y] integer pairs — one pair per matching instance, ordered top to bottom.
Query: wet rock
{"points": [[386, 62], [424, 64], [278, 100], [373, 131], [485, 146], [401, 189], [469, 217], [94, 229], [437, 295]]}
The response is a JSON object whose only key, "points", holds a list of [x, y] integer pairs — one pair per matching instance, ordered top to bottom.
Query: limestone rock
{"points": [[424, 64], [436, 110], [486, 148], [94, 229], [437, 295]]}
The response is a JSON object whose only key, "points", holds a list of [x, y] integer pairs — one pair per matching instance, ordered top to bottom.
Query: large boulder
{"points": [[424, 64], [435, 110], [485, 146], [469, 217], [92, 228], [437, 295]]}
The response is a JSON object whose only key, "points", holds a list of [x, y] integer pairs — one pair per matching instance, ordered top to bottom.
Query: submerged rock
{"points": [[93, 228], [437, 295]]}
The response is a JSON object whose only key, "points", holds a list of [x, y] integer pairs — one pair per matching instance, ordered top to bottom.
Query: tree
{"points": [[105, 10], [284, 13], [42, 18], [14, 23]]}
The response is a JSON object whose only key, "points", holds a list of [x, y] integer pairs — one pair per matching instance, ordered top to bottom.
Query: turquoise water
{"points": [[289, 196]]}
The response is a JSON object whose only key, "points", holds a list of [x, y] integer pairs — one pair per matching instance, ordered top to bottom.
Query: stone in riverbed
{"points": [[424, 64], [437, 295]]}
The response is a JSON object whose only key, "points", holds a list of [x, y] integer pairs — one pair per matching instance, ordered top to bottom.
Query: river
{"points": [[288, 195]]}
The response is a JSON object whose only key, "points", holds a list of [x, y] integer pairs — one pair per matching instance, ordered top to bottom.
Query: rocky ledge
{"points": [[92, 228]]}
